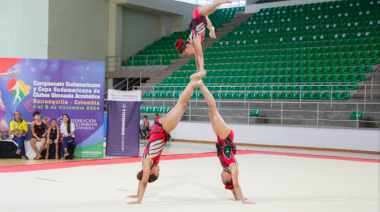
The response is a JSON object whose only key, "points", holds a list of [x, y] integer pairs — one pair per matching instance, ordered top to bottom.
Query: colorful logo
{"points": [[19, 90], [43, 116]]}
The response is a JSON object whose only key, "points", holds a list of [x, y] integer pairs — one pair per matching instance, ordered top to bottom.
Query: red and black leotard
{"points": [[197, 26], [39, 130], [53, 133], [156, 143], [226, 151]]}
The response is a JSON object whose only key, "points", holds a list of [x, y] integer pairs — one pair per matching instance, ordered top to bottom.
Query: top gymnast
{"points": [[193, 44]]}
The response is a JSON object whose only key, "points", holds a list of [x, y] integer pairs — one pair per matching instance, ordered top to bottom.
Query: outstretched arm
{"points": [[198, 52], [9, 73], [144, 182], [237, 190]]}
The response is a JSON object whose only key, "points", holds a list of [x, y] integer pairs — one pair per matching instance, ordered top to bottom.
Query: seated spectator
{"points": [[156, 117], [145, 128], [19, 129], [67, 131], [39, 133], [53, 136]]}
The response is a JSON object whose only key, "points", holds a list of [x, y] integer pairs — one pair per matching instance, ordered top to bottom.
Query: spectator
{"points": [[156, 117], [145, 128], [19, 129], [67, 131], [39, 133], [53, 136]]}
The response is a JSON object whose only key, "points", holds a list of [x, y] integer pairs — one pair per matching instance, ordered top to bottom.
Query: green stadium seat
{"points": [[360, 77], [291, 95], [316, 95], [326, 95], [336, 95], [345, 95], [254, 112], [355, 115]]}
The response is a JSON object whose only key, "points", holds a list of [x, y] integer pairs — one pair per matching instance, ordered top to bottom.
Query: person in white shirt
{"points": [[67, 131]]}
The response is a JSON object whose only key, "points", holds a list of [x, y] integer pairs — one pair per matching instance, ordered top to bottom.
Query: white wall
{"points": [[174, 7], [256, 7], [177, 18], [24, 28], [78, 29], [139, 29], [349, 139]]}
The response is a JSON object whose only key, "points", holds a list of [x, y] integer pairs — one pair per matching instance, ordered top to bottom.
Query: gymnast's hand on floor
{"points": [[133, 196], [237, 198], [133, 202], [248, 202]]}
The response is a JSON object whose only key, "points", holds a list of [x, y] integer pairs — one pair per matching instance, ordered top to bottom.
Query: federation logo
{"points": [[19, 90]]}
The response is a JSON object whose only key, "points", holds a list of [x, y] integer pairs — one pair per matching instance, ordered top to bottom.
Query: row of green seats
{"points": [[332, 5], [318, 6], [232, 9], [362, 11], [318, 12], [331, 18], [292, 22], [301, 22], [263, 25], [314, 25], [300, 30], [183, 33], [307, 35], [291, 37], [297, 39], [344, 45], [306, 46], [159, 47], [271, 50], [152, 52], [288, 56], [154, 57], [312, 60], [147, 63], [293, 64], [270, 72], [270, 79], [263, 86], [167, 95], [256, 95], [276, 95], [154, 109], [354, 115]]}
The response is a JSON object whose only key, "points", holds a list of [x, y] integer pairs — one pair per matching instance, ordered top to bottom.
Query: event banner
{"points": [[54, 88], [123, 123]]}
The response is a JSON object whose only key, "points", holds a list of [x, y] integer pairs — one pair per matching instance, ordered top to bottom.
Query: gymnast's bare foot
{"points": [[212, 33], [198, 76], [198, 84]]}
